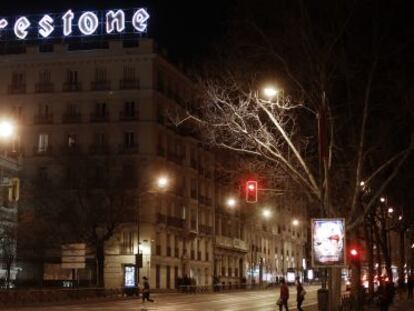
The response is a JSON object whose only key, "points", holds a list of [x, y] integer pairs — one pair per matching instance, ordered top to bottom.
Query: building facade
{"points": [[114, 100]]}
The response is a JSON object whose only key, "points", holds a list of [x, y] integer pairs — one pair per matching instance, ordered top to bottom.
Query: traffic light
{"points": [[251, 191], [354, 255]]}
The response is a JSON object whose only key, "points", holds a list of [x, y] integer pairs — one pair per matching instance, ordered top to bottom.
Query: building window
{"points": [[129, 73], [100, 74], [71, 76], [44, 77], [101, 109], [129, 109], [44, 110], [99, 139], [129, 139], [72, 140], [43, 142], [42, 174], [127, 242], [158, 244], [168, 245], [158, 276], [168, 277]]}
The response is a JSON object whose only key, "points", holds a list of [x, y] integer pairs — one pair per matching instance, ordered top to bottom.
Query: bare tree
{"points": [[322, 128]]}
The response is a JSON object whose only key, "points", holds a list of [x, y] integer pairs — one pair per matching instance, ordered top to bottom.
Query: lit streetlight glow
{"points": [[270, 92], [6, 129], [162, 182], [362, 183], [382, 199], [231, 202], [391, 210], [266, 213], [400, 217], [295, 222]]}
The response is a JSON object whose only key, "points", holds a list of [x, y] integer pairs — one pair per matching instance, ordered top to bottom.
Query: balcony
{"points": [[129, 84], [100, 85], [44, 87], [72, 87], [17, 88], [128, 116], [72, 117], [99, 117], [43, 119], [99, 149], [128, 149], [70, 150], [48, 151], [176, 158], [161, 219], [175, 222], [205, 229], [231, 243]]}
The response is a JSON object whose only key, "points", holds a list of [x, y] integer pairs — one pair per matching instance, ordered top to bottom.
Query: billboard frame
{"points": [[338, 265]]}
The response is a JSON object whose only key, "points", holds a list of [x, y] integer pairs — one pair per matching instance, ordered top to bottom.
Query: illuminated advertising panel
{"points": [[74, 24], [328, 242]]}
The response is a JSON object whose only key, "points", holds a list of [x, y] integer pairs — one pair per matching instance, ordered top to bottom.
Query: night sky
{"points": [[184, 28]]}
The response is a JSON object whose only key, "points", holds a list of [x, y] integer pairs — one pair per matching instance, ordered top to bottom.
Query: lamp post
{"points": [[161, 184]]}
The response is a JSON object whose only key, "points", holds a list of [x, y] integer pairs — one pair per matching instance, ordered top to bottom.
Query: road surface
{"points": [[261, 300]]}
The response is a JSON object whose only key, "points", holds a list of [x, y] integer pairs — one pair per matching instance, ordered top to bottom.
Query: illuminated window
{"points": [[43, 142]]}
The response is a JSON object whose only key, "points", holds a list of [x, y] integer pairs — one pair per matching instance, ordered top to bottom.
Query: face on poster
{"points": [[328, 242]]}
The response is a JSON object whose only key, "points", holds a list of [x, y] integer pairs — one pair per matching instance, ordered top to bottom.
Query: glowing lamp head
{"points": [[270, 92], [6, 129], [162, 182], [362, 183], [382, 199], [231, 202], [390, 210], [266, 213], [400, 217], [295, 222]]}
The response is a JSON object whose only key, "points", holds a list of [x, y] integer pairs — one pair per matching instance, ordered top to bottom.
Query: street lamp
{"points": [[270, 92], [6, 129], [161, 184], [382, 199], [231, 202], [391, 210], [266, 213], [295, 222]]}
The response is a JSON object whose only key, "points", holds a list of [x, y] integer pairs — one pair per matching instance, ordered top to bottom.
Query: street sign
{"points": [[328, 242], [73, 256]]}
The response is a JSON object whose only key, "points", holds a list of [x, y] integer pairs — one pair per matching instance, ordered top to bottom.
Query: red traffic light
{"points": [[251, 191], [354, 252]]}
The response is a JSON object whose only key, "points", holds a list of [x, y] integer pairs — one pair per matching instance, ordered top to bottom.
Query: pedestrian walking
{"points": [[410, 286], [146, 291], [300, 294], [284, 295], [385, 295]]}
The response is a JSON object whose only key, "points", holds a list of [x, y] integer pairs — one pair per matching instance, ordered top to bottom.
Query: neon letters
{"points": [[70, 23]]}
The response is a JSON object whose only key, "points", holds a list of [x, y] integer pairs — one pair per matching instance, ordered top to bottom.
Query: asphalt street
{"points": [[262, 300]]}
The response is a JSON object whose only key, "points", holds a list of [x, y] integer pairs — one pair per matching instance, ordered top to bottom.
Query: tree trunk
{"points": [[370, 256], [100, 264], [8, 270], [401, 275], [335, 288], [357, 302]]}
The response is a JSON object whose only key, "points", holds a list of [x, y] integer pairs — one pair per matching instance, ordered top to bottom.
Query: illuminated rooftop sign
{"points": [[74, 24]]}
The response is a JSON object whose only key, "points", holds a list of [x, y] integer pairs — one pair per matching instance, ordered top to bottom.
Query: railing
{"points": [[128, 84], [100, 85], [44, 87], [72, 87], [17, 88], [128, 116], [72, 117], [99, 117], [43, 118], [99, 149], [128, 149], [46, 152], [175, 222], [205, 229], [231, 243], [13, 297]]}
